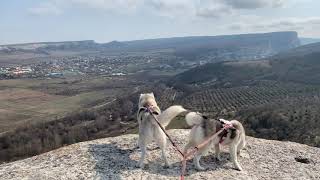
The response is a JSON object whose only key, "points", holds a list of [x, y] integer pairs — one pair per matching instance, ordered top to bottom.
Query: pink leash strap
{"points": [[195, 149]]}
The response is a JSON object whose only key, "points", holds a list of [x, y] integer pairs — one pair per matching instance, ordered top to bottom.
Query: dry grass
{"points": [[23, 101], [19, 106]]}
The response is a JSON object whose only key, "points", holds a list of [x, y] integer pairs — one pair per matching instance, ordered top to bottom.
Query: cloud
{"points": [[167, 4], [253, 4], [106, 5], [56, 7], [46, 8], [168, 8], [171, 8], [207, 8], [229, 8], [215, 10], [228, 16], [290, 23], [305, 26]]}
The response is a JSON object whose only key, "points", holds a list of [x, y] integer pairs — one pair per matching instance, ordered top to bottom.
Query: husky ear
{"points": [[152, 94], [141, 98], [204, 117], [221, 121], [233, 133]]}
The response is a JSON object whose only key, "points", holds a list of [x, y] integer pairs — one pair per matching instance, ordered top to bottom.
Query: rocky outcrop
{"points": [[115, 158]]}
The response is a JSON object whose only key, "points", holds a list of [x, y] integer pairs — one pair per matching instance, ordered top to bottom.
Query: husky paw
{"points": [[218, 158], [139, 165], [166, 166], [239, 168]]}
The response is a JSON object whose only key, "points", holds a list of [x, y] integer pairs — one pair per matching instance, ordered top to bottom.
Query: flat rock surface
{"points": [[116, 157]]}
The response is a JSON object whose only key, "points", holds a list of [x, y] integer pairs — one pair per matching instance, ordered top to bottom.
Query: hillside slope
{"points": [[300, 65], [115, 158]]}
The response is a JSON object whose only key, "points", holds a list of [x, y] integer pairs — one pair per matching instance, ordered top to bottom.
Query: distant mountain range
{"points": [[276, 40], [207, 48], [301, 65]]}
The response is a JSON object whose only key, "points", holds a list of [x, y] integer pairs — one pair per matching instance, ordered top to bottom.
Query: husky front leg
{"points": [[162, 143], [241, 145], [143, 149], [217, 151], [164, 157], [234, 157], [196, 161]]}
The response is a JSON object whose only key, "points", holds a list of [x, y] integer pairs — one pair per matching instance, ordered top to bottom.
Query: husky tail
{"points": [[169, 114], [194, 118]]}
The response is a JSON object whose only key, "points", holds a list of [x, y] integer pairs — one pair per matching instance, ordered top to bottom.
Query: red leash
{"points": [[195, 149]]}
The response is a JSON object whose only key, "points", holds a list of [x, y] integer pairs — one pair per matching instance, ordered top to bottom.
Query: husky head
{"points": [[148, 100], [229, 134]]}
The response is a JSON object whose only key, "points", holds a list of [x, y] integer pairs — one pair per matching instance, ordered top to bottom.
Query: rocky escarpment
{"points": [[115, 158]]}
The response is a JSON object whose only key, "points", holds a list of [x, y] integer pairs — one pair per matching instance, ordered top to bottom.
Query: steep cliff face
{"points": [[281, 41], [115, 158]]}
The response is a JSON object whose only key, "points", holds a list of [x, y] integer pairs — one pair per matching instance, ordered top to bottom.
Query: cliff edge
{"points": [[115, 158]]}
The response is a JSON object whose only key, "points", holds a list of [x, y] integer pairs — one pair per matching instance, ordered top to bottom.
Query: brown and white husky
{"points": [[203, 127]]}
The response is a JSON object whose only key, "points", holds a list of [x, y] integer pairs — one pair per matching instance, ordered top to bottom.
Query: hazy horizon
{"points": [[148, 38]]}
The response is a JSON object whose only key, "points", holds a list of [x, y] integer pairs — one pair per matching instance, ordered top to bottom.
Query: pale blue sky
{"points": [[107, 20]]}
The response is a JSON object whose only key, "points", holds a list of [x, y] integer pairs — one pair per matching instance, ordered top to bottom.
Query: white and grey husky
{"points": [[202, 127], [148, 129]]}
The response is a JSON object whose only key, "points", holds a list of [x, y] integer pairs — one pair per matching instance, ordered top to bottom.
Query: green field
{"points": [[24, 101]]}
